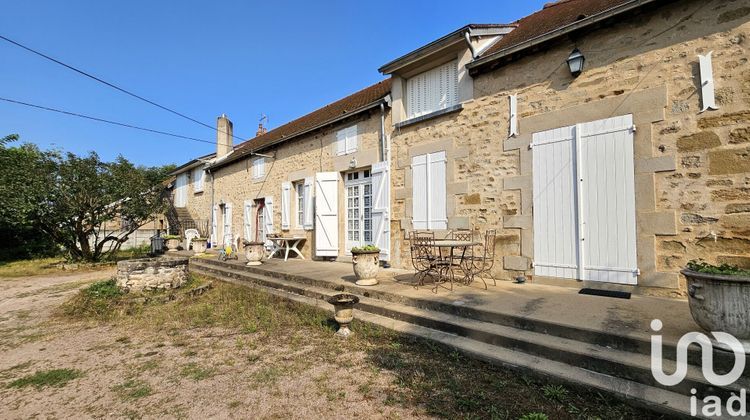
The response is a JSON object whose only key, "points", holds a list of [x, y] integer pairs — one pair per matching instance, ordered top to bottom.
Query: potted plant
{"points": [[172, 242], [199, 244], [254, 252], [366, 261], [719, 297], [343, 312]]}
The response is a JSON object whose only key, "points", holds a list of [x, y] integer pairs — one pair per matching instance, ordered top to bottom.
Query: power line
{"points": [[125, 91], [88, 117]]}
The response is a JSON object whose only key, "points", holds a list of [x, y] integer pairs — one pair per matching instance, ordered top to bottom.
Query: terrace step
{"points": [[625, 374]]}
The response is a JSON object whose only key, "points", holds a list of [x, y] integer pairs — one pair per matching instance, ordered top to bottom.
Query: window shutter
{"points": [[432, 90], [351, 139], [341, 142], [286, 189], [419, 191], [437, 202], [308, 203], [381, 208], [326, 214], [268, 217], [248, 219], [214, 225], [228, 237]]}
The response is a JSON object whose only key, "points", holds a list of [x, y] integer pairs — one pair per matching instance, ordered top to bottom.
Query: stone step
{"points": [[723, 361], [618, 363], [636, 393]]}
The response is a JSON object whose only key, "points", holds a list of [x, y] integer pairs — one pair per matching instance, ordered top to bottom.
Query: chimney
{"points": [[261, 130], [224, 136]]}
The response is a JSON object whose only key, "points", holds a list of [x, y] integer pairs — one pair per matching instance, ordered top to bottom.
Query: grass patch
{"points": [[33, 267], [197, 373], [44, 378], [132, 389]]}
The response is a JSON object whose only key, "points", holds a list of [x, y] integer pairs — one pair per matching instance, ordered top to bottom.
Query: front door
{"points": [[358, 209]]}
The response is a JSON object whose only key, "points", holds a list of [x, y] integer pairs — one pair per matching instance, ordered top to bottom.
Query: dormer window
{"points": [[433, 90]]}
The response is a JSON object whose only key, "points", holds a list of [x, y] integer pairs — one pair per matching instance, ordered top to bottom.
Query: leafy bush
{"points": [[366, 248], [723, 269], [106, 289]]}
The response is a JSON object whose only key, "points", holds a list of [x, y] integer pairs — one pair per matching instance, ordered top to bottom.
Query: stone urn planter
{"points": [[172, 243], [199, 245], [254, 252], [366, 262], [720, 302], [343, 312]]}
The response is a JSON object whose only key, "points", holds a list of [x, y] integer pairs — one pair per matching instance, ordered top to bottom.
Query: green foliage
{"points": [[86, 206], [167, 237], [366, 248], [723, 269], [106, 289], [43, 378], [132, 389], [555, 392], [534, 416]]}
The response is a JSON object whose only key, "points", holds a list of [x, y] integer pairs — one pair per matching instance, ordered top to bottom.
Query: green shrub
{"points": [[167, 237], [366, 248], [723, 269], [105, 289], [40, 379], [534, 416]]}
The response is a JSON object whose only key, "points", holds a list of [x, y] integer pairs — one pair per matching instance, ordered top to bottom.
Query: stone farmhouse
{"points": [[607, 141]]}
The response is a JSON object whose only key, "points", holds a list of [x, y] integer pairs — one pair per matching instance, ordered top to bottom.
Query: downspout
{"points": [[467, 37], [384, 155], [386, 158], [211, 211]]}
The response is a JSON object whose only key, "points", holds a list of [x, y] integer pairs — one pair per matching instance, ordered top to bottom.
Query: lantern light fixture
{"points": [[575, 62]]}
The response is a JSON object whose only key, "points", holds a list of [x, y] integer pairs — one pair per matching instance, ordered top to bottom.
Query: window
{"points": [[432, 90], [346, 140], [259, 168], [198, 179], [299, 188], [429, 191]]}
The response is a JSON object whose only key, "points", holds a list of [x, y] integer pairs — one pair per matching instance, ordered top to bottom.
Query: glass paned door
{"points": [[358, 209]]}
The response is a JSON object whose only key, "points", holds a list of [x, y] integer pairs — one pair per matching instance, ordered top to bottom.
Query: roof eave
{"points": [[475, 65]]}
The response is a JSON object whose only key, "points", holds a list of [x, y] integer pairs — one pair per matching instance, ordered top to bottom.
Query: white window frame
{"points": [[433, 90], [347, 140], [259, 167], [198, 176], [299, 211]]}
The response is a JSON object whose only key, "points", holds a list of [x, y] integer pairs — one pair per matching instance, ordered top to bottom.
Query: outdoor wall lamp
{"points": [[575, 62]]}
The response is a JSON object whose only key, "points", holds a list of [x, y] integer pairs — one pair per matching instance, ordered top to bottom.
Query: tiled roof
{"points": [[553, 16], [320, 117]]}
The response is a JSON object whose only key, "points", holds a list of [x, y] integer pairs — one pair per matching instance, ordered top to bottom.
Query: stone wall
{"points": [[693, 169], [152, 273]]}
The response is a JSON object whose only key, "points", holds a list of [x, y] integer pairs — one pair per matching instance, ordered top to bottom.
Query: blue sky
{"points": [[280, 58]]}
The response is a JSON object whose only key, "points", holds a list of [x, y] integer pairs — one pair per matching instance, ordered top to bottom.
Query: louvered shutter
{"points": [[286, 190], [308, 204]]}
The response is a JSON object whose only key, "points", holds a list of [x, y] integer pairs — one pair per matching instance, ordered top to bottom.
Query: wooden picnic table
{"points": [[286, 244]]}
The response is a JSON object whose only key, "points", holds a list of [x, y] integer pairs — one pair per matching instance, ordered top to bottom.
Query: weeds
{"points": [[44, 378], [132, 389]]}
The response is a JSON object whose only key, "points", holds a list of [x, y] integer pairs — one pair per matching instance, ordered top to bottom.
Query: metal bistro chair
{"points": [[423, 257], [462, 262], [483, 262]]}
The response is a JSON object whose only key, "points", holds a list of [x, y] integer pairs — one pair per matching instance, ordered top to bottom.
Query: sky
{"points": [[279, 58]]}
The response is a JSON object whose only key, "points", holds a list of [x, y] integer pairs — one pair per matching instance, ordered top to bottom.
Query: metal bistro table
{"points": [[286, 244], [448, 262]]}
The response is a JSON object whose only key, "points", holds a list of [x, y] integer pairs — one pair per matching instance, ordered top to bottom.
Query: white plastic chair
{"points": [[190, 234]]}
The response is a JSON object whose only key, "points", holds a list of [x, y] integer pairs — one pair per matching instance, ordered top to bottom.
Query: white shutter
{"points": [[432, 90], [708, 97], [513, 121], [351, 139], [341, 142], [259, 167], [198, 180], [437, 186], [180, 190], [419, 192], [607, 194], [286, 197], [308, 204], [381, 208], [268, 214], [326, 214], [248, 220], [555, 220], [214, 225], [228, 236]]}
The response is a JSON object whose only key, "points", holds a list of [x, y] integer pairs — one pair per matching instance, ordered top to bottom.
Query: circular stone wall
{"points": [[152, 273]]}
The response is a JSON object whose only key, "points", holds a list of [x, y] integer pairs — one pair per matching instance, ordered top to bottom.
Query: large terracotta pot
{"points": [[172, 244], [199, 245], [254, 252], [366, 265], [720, 303], [343, 312]]}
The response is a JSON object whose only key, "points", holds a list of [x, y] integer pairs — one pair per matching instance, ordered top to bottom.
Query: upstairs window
{"points": [[432, 90], [346, 140], [259, 167], [198, 180]]}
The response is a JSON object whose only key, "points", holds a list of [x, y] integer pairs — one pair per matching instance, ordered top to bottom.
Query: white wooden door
{"points": [[180, 190], [584, 202], [381, 208], [326, 214]]}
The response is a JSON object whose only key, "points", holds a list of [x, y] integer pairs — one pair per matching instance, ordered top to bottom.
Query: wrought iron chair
{"points": [[423, 257], [484, 260]]}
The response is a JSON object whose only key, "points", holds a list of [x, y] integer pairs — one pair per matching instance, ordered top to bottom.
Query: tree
{"points": [[71, 199]]}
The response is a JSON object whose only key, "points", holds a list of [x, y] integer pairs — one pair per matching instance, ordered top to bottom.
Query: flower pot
{"points": [[172, 244], [199, 245], [254, 252], [366, 265], [719, 303], [343, 312]]}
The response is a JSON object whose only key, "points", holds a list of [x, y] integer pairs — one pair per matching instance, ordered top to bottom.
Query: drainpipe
{"points": [[467, 36], [383, 146], [211, 211]]}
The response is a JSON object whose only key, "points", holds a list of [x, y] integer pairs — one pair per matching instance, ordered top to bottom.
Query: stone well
{"points": [[152, 273]]}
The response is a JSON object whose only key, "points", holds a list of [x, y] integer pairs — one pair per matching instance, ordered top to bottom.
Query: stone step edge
{"points": [[600, 355], [656, 399]]}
